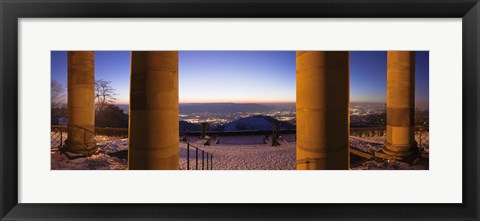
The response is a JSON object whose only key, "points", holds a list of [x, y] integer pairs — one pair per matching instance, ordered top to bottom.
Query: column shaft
{"points": [[323, 97], [81, 103], [153, 127], [400, 141]]}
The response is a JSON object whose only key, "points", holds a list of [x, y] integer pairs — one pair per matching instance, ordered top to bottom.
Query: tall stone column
{"points": [[323, 100], [81, 104], [154, 128], [400, 143]]}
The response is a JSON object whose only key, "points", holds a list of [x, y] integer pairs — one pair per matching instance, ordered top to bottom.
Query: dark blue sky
{"points": [[110, 66], [237, 76], [243, 76], [368, 78]]}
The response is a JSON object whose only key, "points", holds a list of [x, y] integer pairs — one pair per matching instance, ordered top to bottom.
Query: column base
{"points": [[74, 153], [406, 156]]}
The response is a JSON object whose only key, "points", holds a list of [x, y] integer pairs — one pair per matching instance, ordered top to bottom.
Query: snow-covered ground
{"points": [[375, 143], [367, 144], [372, 144], [113, 145], [232, 153], [254, 155], [249, 156], [99, 161], [377, 164]]}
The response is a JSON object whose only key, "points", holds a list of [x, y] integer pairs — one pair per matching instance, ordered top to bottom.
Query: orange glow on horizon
{"points": [[235, 101], [126, 102]]}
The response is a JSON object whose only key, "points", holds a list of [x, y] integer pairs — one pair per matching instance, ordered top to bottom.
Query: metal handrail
{"points": [[85, 130], [421, 130], [55, 136], [209, 155]]}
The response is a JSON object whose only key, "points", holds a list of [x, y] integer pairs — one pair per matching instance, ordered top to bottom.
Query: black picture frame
{"points": [[11, 11]]}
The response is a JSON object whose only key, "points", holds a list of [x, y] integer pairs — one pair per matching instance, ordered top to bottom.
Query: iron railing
{"points": [[105, 131], [367, 131], [421, 132], [422, 136], [57, 139], [423, 139], [209, 157]]}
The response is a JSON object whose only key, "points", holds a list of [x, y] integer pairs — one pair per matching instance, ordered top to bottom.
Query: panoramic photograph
{"points": [[239, 110]]}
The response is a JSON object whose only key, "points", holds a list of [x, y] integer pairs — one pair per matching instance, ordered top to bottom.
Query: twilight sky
{"points": [[248, 76]]}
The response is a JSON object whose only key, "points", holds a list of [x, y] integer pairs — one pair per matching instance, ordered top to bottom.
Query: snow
{"points": [[254, 139], [374, 143], [367, 144], [113, 146], [247, 152], [257, 156], [98, 161], [377, 164]]}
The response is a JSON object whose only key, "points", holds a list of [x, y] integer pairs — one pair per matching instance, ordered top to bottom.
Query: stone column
{"points": [[323, 100], [81, 104], [153, 128], [400, 143]]}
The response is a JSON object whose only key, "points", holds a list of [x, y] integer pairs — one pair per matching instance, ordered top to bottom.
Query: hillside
{"points": [[222, 108], [256, 123], [186, 126]]}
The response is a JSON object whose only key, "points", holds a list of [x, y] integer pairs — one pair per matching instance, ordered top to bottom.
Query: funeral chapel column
{"points": [[81, 104], [323, 110], [153, 127]]}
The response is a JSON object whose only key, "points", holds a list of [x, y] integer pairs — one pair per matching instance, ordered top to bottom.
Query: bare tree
{"points": [[57, 93], [104, 94]]}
